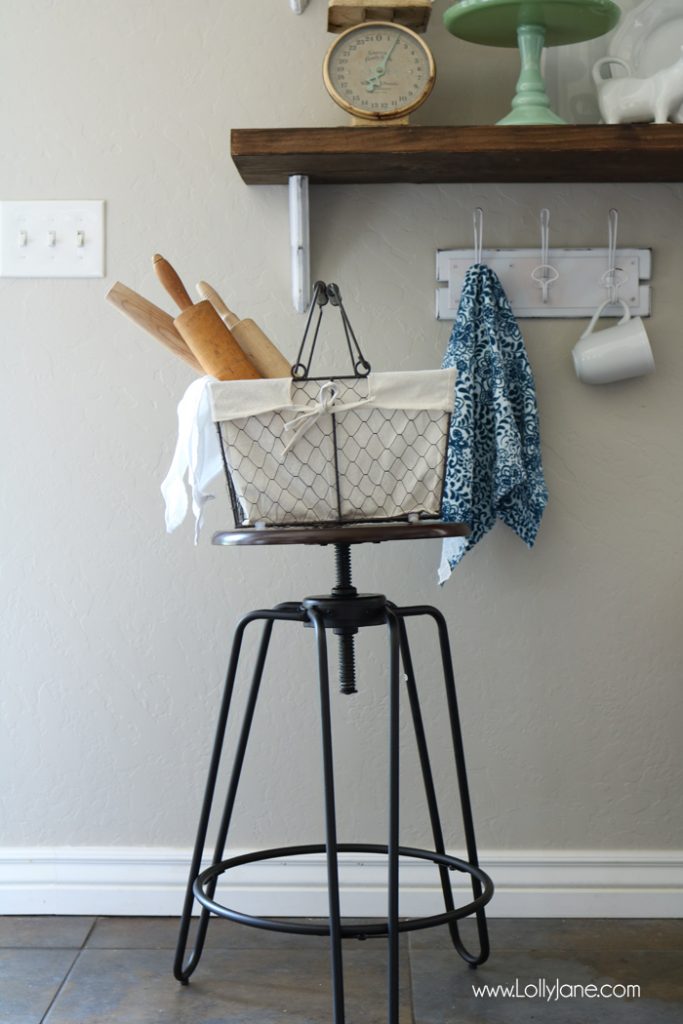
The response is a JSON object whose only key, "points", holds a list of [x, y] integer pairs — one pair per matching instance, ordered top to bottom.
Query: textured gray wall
{"points": [[114, 635]]}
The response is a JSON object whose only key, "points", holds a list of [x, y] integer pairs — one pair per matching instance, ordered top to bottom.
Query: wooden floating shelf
{"points": [[431, 155]]}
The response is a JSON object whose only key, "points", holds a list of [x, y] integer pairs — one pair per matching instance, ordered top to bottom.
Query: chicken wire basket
{"points": [[331, 450]]}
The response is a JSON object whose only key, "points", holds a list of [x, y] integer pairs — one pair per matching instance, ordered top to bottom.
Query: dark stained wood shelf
{"points": [[566, 153]]}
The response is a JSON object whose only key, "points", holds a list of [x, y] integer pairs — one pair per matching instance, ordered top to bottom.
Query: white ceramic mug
{"points": [[616, 353]]}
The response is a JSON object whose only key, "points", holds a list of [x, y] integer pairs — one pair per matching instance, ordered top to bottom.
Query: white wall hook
{"points": [[298, 6], [478, 224], [545, 274], [613, 278]]}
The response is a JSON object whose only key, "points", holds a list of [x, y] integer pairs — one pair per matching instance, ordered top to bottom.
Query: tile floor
{"points": [[78, 970]]}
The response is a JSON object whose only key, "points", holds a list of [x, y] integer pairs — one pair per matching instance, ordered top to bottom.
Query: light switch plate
{"points": [[52, 238]]}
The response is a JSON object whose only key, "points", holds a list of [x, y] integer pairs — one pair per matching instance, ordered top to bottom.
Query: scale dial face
{"points": [[379, 70]]}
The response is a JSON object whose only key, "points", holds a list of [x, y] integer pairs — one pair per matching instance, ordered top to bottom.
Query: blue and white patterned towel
{"points": [[493, 467]]}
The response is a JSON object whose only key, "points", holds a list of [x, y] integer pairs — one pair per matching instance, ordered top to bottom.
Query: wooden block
{"points": [[343, 14]]}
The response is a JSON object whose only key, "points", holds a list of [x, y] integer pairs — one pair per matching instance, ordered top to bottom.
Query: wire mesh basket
{"points": [[331, 450]]}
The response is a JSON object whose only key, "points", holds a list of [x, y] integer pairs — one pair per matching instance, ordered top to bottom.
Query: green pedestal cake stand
{"points": [[531, 25]]}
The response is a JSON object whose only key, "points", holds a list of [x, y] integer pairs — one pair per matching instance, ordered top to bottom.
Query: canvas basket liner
{"points": [[335, 449]]}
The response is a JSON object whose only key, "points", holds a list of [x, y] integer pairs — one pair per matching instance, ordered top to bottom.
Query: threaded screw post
{"points": [[347, 648]]}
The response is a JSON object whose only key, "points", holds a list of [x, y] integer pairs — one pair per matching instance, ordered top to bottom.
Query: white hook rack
{"points": [[576, 293]]}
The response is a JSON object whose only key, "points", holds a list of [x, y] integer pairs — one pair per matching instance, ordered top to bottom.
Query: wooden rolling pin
{"points": [[152, 319], [203, 330], [257, 346]]}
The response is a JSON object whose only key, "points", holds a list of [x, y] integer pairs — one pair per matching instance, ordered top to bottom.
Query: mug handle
{"points": [[598, 313]]}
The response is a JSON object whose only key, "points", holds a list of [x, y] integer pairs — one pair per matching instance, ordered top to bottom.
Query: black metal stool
{"points": [[344, 611]]}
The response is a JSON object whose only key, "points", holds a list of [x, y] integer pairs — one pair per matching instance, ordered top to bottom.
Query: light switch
{"points": [[52, 238]]}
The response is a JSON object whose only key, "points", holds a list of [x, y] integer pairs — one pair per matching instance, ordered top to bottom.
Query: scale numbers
{"points": [[379, 70]]}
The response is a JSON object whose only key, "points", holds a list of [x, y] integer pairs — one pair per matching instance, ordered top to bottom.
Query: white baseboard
{"points": [[151, 881]]}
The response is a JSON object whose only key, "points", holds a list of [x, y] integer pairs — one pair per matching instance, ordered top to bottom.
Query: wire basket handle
{"points": [[322, 294]]}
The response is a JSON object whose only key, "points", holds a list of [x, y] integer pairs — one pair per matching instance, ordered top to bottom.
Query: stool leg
{"points": [[425, 763], [463, 787], [330, 820], [393, 839], [473, 959], [182, 973]]}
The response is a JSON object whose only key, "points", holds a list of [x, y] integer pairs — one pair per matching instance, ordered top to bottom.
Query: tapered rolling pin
{"points": [[152, 319], [204, 331], [257, 346]]}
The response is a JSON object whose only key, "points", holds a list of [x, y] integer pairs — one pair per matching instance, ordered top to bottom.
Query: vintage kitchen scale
{"points": [[379, 69]]}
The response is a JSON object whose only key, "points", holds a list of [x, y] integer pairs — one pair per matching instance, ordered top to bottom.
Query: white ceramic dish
{"points": [[650, 38]]}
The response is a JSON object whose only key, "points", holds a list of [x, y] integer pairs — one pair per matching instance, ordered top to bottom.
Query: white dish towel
{"points": [[197, 459]]}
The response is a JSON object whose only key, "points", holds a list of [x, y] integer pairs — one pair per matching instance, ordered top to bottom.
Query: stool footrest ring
{"points": [[209, 877]]}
